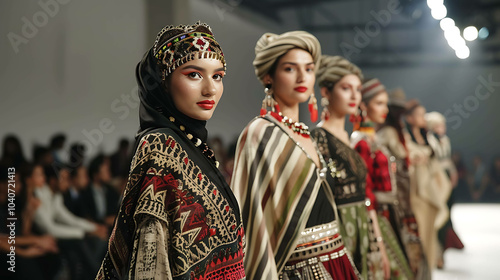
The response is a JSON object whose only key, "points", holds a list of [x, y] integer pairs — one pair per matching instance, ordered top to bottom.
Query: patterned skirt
{"points": [[354, 228], [395, 232], [320, 254]]}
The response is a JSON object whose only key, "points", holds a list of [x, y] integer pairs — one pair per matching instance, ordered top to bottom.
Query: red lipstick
{"points": [[301, 89], [206, 104], [352, 104], [384, 116]]}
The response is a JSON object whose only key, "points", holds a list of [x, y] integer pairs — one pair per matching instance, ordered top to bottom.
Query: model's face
{"points": [[294, 78], [196, 87], [345, 96], [376, 109], [417, 117], [440, 129]]}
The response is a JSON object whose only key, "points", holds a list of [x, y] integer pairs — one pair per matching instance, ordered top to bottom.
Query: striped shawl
{"points": [[276, 184]]}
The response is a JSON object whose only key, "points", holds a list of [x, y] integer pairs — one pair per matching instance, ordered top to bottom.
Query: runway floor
{"points": [[478, 226]]}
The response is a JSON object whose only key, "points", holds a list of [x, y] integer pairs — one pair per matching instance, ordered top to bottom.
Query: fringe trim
{"points": [[191, 56]]}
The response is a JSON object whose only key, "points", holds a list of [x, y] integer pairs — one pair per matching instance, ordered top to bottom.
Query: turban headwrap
{"points": [[271, 47], [334, 68], [371, 88], [397, 97]]}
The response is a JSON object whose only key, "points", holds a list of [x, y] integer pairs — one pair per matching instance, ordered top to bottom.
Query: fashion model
{"points": [[340, 84], [393, 138], [441, 145], [278, 172], [381, 186], [430, 187], [179, 218]]}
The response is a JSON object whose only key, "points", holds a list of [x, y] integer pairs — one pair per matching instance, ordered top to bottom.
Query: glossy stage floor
{"points": [[478, 226]]}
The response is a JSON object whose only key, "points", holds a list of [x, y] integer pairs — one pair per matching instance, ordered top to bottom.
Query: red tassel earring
{"points": [[313, 108], [355, 118]]}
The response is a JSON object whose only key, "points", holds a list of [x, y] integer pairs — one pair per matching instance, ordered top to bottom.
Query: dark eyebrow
{"points": [[293, 63], [192, 67], [201, 69]]}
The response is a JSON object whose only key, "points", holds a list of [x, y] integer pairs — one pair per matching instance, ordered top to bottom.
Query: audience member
{"points": [[12, 152], [78, 182], [53, 218], [38, 253]]}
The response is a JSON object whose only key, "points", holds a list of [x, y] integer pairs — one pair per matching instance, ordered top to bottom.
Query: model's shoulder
{"points": [[264, 121], [259, 124], [387, 131], [158, 135], [158, 141]]}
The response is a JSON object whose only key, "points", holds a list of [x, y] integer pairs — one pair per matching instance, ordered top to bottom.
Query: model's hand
{"points": [[454, 180], [101, 231], [47, 243], [31, 252], [385, 262]]}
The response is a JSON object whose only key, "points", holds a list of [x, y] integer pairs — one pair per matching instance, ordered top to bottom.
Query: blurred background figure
{"points": [[392, 136], [440, 143], [57, 148], [12, 152], [42, 156], [76, 156], [120, 163], [478, 179], [78, 182], [430, 186], [494, 189], [462, 193], [99, 199], [53, 218], [37, 256]]}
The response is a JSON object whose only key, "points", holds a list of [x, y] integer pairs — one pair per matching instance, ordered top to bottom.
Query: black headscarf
{"points": [[157, 105]]}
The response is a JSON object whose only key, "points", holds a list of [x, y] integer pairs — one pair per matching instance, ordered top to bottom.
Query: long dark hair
{"points": [[394, 120]]}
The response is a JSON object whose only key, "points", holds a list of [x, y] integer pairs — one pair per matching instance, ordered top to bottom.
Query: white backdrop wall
{"points": [[69, 74]]}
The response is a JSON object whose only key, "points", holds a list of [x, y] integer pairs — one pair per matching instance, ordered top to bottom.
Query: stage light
{"points": [[434, 3], [439, 12], [446, 23], [453, 31], [470, 33], [483, 33], [457, 43], [463, 52]]}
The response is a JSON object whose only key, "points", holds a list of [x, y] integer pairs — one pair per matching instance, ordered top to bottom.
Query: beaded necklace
{"points": [[298, 127], [367, 127], [205, 149]]}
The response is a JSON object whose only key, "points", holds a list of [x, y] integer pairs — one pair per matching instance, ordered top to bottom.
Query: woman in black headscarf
{"points": [[178, 218]]}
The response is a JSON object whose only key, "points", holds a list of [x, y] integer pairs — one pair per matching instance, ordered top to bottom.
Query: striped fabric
{"points": [[371, 88], [276, 184]]}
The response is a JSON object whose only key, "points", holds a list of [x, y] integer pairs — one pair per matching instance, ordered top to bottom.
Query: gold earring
{"points": [[325, 115]]}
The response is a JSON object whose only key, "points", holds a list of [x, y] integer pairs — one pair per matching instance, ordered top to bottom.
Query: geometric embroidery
{"points": [[175, 190]]}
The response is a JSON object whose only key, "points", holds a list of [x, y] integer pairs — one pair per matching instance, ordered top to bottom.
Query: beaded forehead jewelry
{"points": [[177, 45]]}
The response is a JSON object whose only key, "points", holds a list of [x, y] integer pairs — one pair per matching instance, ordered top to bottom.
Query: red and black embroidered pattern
{"points": [[205, 237]]}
